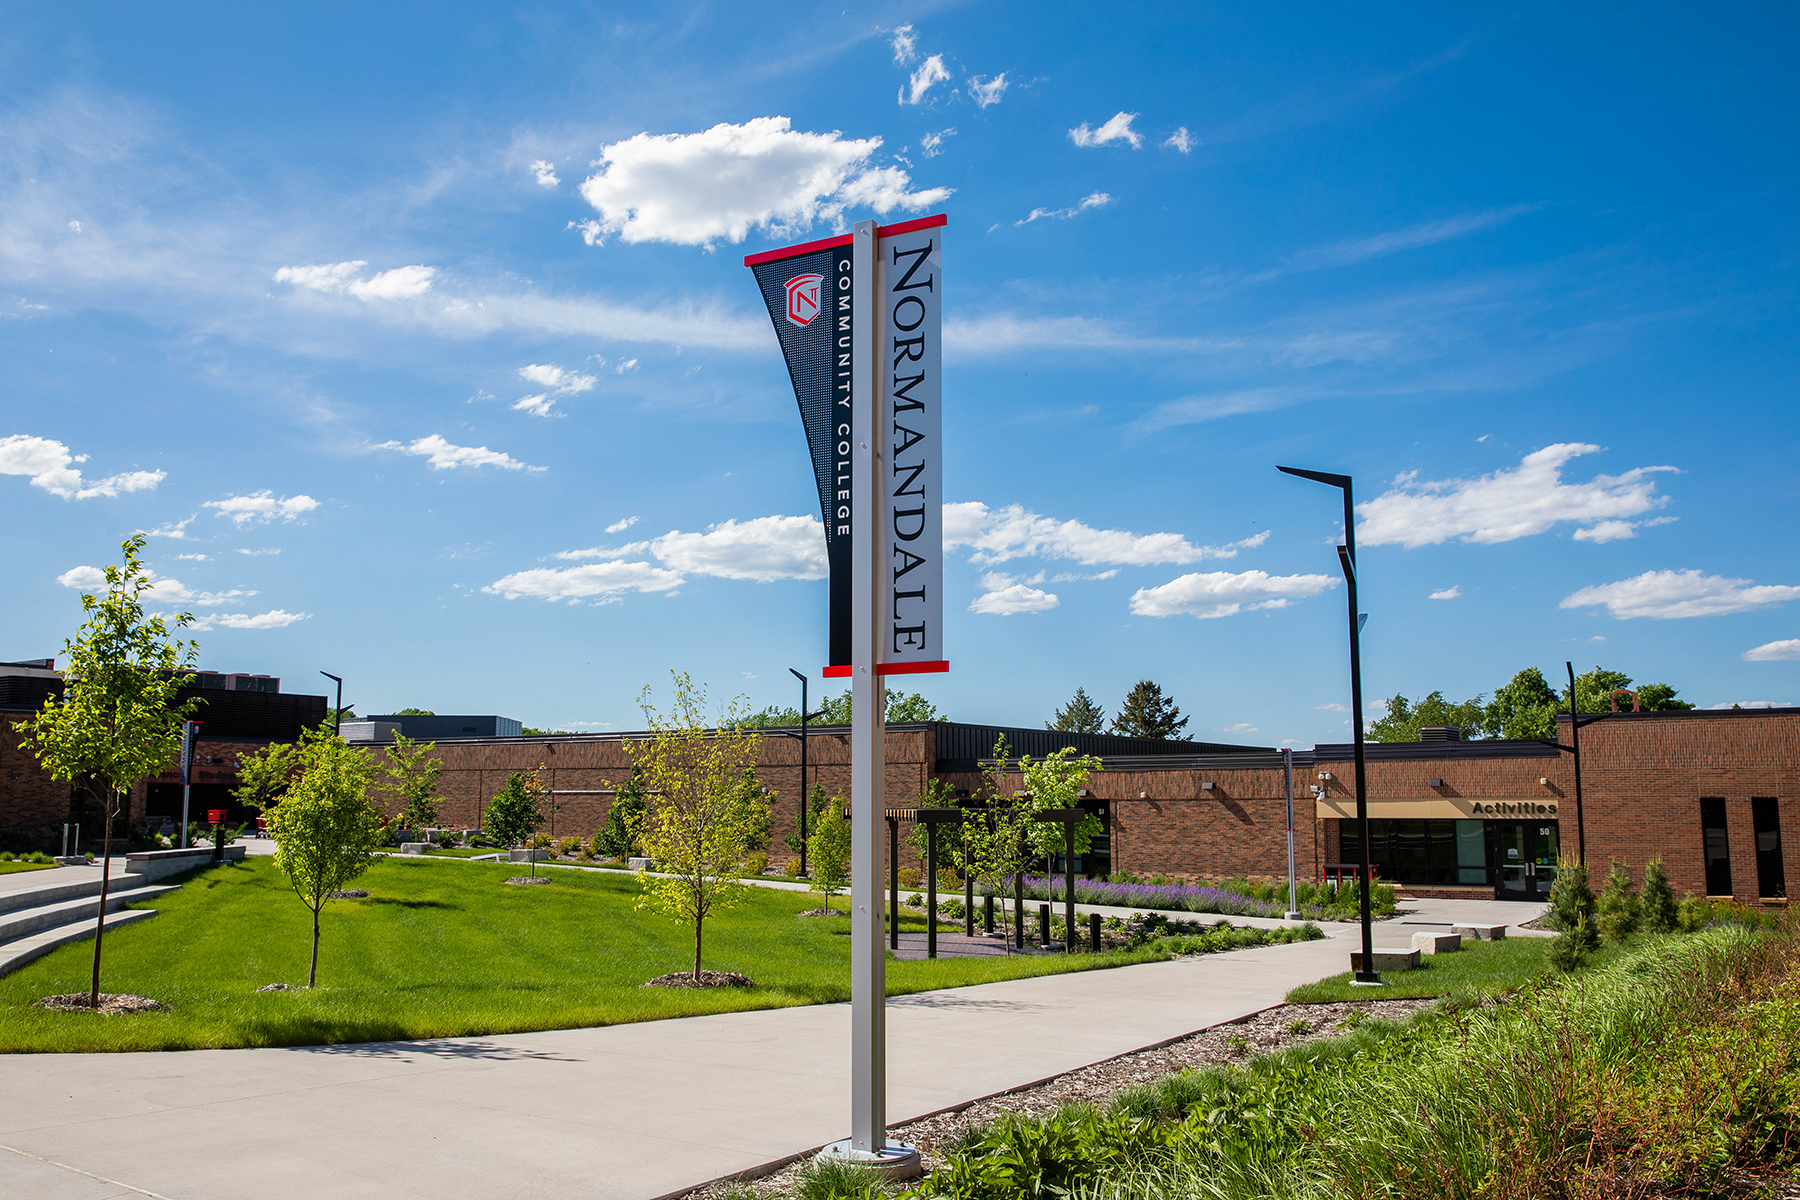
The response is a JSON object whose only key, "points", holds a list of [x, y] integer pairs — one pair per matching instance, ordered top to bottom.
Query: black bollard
{"points": [[931, 889], [968, 900], [1019, 909], [987, 913], [1044, 925], [1094, 933]]}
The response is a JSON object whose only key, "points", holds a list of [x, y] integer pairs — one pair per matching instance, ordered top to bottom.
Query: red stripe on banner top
{"points": [[909, 226], [829, 243], [790, 251], [892, 668], [836, 672]]}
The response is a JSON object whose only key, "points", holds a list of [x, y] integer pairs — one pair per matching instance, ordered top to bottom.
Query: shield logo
{"points": [[803, 298]]}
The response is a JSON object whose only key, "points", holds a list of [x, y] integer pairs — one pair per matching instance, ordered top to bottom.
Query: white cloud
{"points": [[906, 45], [930, 73], [986, 92], [1117, 129], [1181, 140], [933, 143], [545, 172], [696, 188], [1092, 200], [75, 226], [592, 232], [1357, 250], [401, 283], [629, 364], [560, 381], [444, 455], [51, 467], [1506, 504], [259, 508], [622, 526], [176, 530], [1606, 531], [1000, 535], [763, 549], [605, 551], [259, 553], [195, 557], [605, 580], [162, 590], [1449, 593], [1223, 594], [1664, 595], [1004, 596], [275, 618], [1783, 651], [1755, 704], [1343, 708], [1240, 727]]}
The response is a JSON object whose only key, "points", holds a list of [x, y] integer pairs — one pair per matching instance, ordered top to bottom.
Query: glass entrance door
{"points": [[1524, 857]]}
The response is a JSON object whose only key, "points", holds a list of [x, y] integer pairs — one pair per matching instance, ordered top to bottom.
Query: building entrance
{"points": [[1523, 854]]}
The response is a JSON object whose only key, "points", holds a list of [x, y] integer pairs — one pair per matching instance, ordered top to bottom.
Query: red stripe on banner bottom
{"points": [[893, 668]]}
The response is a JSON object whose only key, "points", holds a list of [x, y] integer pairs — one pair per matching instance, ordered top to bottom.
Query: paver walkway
{"points": [[628, 1111]]}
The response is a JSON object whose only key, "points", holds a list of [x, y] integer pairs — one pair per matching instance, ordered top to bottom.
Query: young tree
{"points": [[901, 706], [1523, 708], [1148, 713], [1079, 715], [117, 720], [1402, 721], [413, 771], [265, 775], [1056, 782], [815, 806], [515, 814], [624, 819], [699, 819], [326, 830], [828, 851], [1657, 902], [1573, 909], [1618, 909]]}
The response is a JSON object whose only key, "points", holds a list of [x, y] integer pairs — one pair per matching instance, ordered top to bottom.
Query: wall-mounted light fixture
{"points": [[1324, 774], [1543, 781], [1434, 783], [1206, 785], [1083, 793], [1143, 795]]}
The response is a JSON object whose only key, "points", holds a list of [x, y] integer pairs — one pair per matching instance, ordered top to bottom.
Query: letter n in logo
{"points": [[803, 298]]}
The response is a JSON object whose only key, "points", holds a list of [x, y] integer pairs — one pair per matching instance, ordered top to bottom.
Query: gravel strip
{"points": [[1232, 1042]]}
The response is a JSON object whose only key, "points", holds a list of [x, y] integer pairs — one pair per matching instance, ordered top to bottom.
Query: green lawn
{"points": [[7, 868], [440, 951], [1479, 969]]}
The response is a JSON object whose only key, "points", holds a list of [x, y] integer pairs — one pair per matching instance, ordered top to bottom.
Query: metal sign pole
{"points": [[1287, 767]]}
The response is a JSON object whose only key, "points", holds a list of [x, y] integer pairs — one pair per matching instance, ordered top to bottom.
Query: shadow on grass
{"points": [[399, 903], [949, 1000]]}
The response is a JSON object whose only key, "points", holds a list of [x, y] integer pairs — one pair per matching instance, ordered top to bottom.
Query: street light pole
{"points": [[1347, 560], [337, 714], [1575, 750]]}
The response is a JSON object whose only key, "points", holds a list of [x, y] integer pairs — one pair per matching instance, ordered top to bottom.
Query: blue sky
{"points": [[378, 315]]}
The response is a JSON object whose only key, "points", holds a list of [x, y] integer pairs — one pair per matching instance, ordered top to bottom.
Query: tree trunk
{"points": [[106, 808], [699, 923], [312, 976]]}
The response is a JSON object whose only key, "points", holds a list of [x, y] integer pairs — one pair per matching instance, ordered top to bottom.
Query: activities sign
{"points": [[823, 315]]}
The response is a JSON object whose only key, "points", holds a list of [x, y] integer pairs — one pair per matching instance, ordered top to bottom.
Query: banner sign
{"points": [[812, 294]]}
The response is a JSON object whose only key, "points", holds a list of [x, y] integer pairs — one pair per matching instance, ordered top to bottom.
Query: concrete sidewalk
{"points": [[629, 1111]]}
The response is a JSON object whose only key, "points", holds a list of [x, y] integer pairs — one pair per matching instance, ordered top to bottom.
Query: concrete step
{"points": [[15, 899], [25, 922], [16, 954]]}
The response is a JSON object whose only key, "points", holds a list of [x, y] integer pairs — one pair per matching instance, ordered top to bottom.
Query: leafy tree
{"points": [[1595, 689], [1660, 697], [901, 706], [1523, 708], [414, 712], [1148, 713], [1079, 715], [337, 716], [772, 717], [118, 719], [1403, 720], [529, 731], [413, 771], [265, 775], [815, 805], [516, 813], [624, 818], [699, 819], [326, 830], [828, 851], [1657, 902], [1619, 910]]}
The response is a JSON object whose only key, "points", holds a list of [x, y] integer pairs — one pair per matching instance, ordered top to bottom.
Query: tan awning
{"points": [[1462, 808]]}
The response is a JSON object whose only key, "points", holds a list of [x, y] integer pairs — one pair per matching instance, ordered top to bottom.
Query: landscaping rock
{"points": [[414, 847], [523, 855], [641, 864], [526, 879], [347, 894], [824, 912], [1481, 933], [1436, 943], [1389, 959], [708, 979], [276, 987], [111, 1003]]}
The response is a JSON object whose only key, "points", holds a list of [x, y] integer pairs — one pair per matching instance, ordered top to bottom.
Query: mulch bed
{"points": [[526, 879], [347, 894], [822, 912], [708, 979], [276, 987], [111, 1003], [1096, 1084]]}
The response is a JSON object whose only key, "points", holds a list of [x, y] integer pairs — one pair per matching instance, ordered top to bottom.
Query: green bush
{"points": [[1656, 905], [1573, 909], [1619, 914]]}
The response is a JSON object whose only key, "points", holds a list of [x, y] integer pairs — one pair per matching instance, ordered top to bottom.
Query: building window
{"points": [[1765, 820], [1715, 845], [1445, 853]]}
